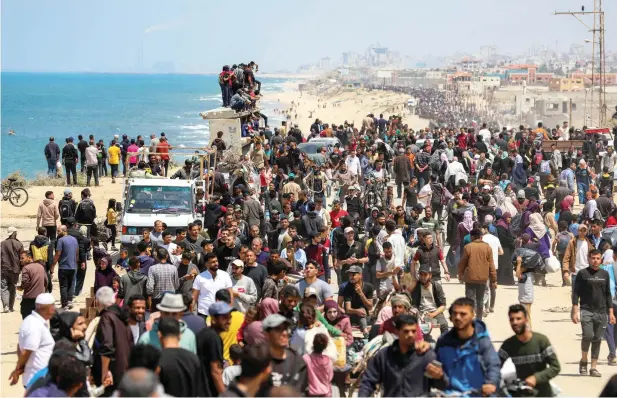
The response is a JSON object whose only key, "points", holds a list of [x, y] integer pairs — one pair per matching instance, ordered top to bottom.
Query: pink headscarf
{"points": [[253, 333]]}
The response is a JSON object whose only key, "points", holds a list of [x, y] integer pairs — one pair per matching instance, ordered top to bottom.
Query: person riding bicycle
{"points": [[466, 352]]}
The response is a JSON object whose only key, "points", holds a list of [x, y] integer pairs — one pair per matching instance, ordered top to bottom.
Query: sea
{"points": [[39, 105]]}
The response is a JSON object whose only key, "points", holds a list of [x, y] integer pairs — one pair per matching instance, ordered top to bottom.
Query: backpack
{"points": [[65, 209], [87, 209], [515, 225], [563, 238]]}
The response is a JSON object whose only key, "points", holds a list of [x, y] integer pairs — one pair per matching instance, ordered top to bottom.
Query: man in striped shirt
{"points": [[162, 277], [531, 353]]}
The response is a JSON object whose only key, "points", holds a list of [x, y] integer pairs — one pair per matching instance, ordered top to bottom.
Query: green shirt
{"points": [[534, 357]]}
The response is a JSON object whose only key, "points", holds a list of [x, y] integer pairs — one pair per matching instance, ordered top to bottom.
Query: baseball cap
{"points": [[530, 180], [486, 187], [68, 192], [520, 194], [237, 208], [583, 226], [11, 229], [348, 230], [297, 238], [238, 263], [425, 268], [354, 269], [310, 291], [219, 308], [274, 321]]}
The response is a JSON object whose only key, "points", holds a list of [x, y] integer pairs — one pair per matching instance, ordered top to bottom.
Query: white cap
{"points": [[116, 136], [486, 187], [11, 229], [348, 229], [238, 263], [45, 299]]}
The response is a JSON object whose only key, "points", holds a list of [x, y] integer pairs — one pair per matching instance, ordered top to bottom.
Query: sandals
{"points": [[582, 368], [594, 373]]}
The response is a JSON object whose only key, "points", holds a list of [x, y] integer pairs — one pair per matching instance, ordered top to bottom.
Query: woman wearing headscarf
{"points": [[519, 176], [503, 202], [532, 207], [566, 211], [549, 218], [463, 229], [538, 233], [505, 271], [104, 274], [339, 320], [70, 326], [253, 333]]}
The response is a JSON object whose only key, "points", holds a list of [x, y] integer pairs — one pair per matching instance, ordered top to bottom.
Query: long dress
{"points": [[505, 272]]}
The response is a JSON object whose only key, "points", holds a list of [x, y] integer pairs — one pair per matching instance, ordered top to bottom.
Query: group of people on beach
{"points": [[272, 293]]}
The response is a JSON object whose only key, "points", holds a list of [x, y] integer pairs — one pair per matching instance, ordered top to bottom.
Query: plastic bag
{"points": [[552, 264]]}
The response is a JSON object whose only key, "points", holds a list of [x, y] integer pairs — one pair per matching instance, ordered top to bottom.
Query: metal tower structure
{"points": [[598, 58]]}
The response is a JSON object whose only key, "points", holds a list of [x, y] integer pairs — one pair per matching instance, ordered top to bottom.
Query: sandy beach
{"points": [[550, 312]]}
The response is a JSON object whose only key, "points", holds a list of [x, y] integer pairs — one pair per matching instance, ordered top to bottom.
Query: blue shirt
{"points": [[70, 249]]}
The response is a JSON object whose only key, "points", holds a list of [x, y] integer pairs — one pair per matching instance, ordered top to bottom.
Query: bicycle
{"points": [[17, 196]]}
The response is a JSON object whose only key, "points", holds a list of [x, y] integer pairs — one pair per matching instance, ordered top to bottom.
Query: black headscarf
{"points": [[61, 324]]}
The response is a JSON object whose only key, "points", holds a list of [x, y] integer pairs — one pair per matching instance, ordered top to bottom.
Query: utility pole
{"points": [[598, 59]]}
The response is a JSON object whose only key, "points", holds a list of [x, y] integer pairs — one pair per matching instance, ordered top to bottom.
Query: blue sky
{"points": [[202, 35]]}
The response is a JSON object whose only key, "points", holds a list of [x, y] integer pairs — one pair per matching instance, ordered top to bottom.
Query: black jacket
{"points": [[69, 154], [85, 212], [84, 243], [438, 295], [399, 374]]}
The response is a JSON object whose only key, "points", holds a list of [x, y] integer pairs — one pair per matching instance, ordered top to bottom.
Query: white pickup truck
{"points": [[147, 200]]}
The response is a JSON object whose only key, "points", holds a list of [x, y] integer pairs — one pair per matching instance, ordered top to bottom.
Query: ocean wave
{"points": [[211, 98], [195, 127]]}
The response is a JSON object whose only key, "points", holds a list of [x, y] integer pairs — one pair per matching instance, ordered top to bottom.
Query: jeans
{"points": [[226, 93], [82, 159], [124, 165], [51, 167], [70, 167], [102, 167], [92, 169], [114, 170], [423, 179], [582, 189], [52, 233], [65, 277], [8, 281], [78, 283], [489, 289], [475, 291], [572, 293], [27, 306], [359, 321], [443, 323], [594, 327], [611, 336]]}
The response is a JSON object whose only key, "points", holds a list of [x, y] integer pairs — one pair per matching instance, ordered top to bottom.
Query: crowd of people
{"points": [[271, 293]]}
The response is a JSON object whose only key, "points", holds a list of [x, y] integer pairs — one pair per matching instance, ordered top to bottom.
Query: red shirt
{"points": [[163, 150], [335, 217], [388, 326]]}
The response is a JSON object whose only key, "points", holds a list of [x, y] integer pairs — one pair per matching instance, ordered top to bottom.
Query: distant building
{"points": [[324, 63], [470, 64], [609, 78], [564, 84]]}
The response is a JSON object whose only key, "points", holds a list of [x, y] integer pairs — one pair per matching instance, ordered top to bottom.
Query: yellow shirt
{"points": [[114, 155], [111, 217], [230, 337]]}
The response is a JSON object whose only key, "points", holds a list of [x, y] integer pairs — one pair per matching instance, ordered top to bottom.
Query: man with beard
{"points": [[193, 238], [208, 283], [289, 297], [137, 316], [531, 352], [478, 370]]}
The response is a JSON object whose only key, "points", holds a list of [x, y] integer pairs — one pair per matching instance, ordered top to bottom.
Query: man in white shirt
{"points": [[485, 134], [92, 164], [353, 164], [456, 169], [497, 250], [208, 283], [36, 343]]}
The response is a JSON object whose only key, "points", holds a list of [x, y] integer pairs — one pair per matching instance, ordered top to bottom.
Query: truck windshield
{"points": [[153, 199]]}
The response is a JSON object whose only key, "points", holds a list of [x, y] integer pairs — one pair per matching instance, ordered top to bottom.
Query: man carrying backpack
{"points": [[67, 206], [85, 213], [560, 244]]}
